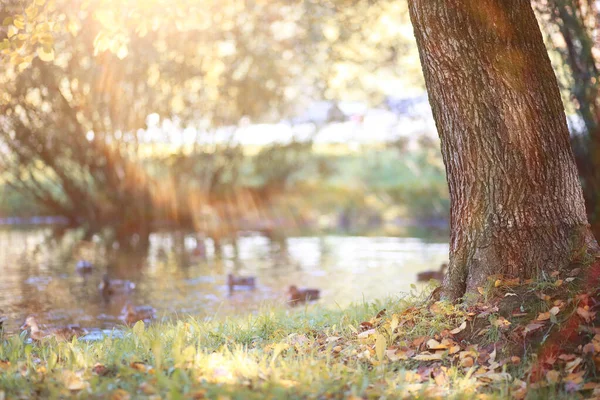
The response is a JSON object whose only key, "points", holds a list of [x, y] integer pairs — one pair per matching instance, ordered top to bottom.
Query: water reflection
{"points": [[179, 277]]}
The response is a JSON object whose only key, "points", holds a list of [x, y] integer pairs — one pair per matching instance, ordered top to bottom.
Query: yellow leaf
{"points": [[40, 2], [31, 12], [7, 21], [19, 22], [12, 31], [45, 54], [480, 290], [543, 316], [394, 323], [380, 346], [428, 356], [553, 376]]}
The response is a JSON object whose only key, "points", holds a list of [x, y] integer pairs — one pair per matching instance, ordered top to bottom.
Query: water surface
{"points": [[38, 277]]}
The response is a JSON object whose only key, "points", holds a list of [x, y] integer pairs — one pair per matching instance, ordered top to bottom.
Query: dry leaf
{"points": [[554, 310], [585, 314], [543, 316], [501, 322], [532, 327], [461, 328], [366, 334], [380, 346], [397, 354], [428, 356], [467, 362], [572, 365], [553, 376], [120, 394]]}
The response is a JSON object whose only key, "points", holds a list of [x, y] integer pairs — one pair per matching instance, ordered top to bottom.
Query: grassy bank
{"points": [[359, 352]]}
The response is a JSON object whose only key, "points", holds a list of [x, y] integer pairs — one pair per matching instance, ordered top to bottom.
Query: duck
{"points": [[84, 266], [426, 276], [248, 282], [109, 287], [298, 296], [132, 314], [65, 333]]}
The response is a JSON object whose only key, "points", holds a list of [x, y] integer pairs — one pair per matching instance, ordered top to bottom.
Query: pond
{"points": [[37, 278]]}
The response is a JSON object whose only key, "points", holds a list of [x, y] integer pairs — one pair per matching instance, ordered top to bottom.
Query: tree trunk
{"points": [[516, 203]]}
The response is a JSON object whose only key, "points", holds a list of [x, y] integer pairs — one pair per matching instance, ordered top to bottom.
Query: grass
{"points": [[357, 352]]}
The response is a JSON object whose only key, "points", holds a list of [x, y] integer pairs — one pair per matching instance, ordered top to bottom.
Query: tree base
{"points": [[524, 254]]}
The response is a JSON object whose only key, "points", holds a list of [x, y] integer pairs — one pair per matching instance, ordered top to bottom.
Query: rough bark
{"points": [[516, 203]]}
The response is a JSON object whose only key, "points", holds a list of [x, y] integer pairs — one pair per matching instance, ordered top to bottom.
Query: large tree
{"points": [[517, 207]]}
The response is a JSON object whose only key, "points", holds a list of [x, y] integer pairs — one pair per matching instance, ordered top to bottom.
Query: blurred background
{"points": [[171, 143]]}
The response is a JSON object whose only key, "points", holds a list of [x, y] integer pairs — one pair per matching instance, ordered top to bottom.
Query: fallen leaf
{"points": [[575, 272], [554, 274], [569, 280], [558, 283], [554, 310], [585, 314], [543, 316], [501, 323], [364, 326], [534, 326], [461, 328], [366, 334], [333, 339], [419, 341], [380, 346], [589, 348], [398, 354], [493, 355], [428, 356], [515, 360], [467, 362], [572, 365], [139, 366], [496, 376], [553, 376], [73, 381], [146, 388], [120, 394]]}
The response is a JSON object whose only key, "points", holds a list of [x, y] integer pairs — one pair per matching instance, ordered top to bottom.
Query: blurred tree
{"points": [[571, 26], [81, 77], [517, 207]]}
